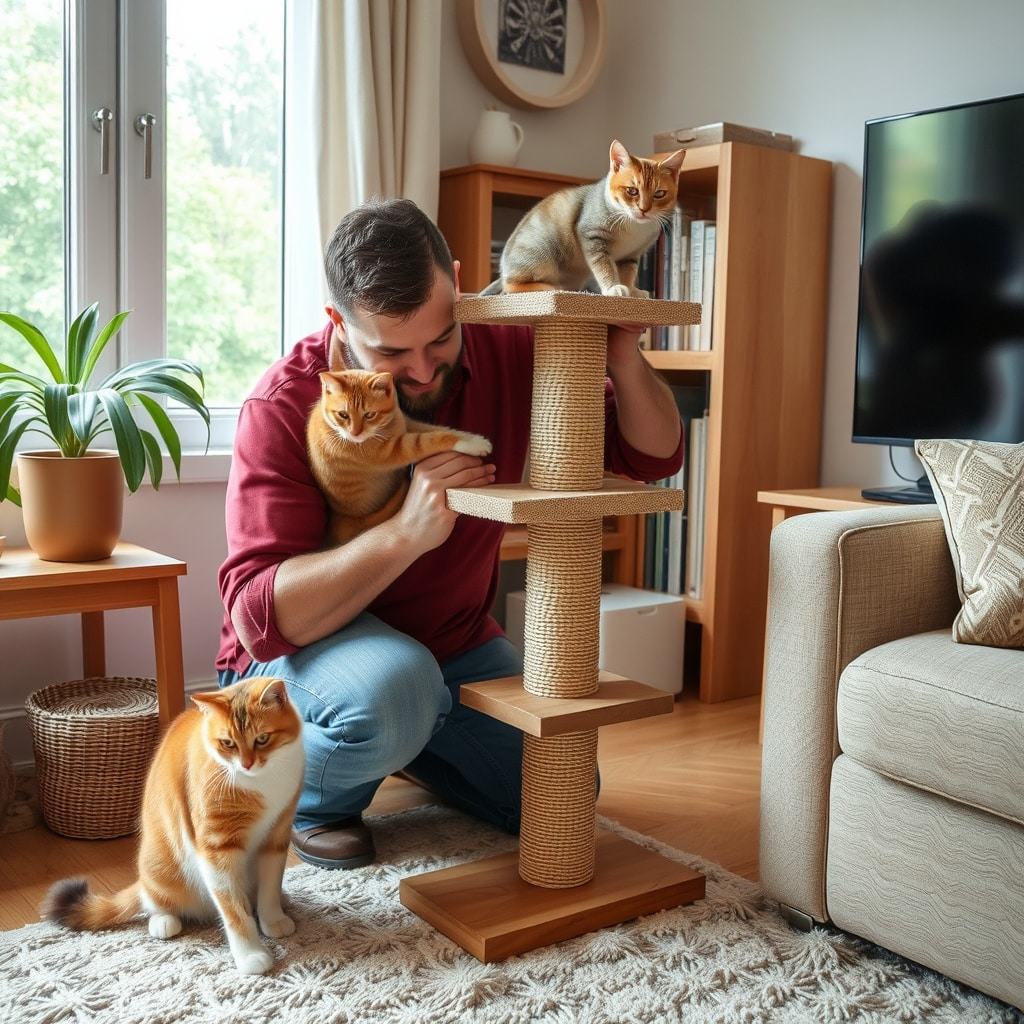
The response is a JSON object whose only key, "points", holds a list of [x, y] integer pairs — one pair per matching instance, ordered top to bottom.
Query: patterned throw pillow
{"points": [[979, 487]]}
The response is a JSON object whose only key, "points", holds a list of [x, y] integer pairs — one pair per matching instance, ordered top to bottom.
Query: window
{"points": [[191, 236]]}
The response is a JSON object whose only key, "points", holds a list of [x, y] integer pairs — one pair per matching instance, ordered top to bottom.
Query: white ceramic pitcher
{"points": [[496, 140]]}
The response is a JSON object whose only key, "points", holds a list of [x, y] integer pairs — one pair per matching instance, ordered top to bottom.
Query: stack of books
{"points": [[682, 267]]}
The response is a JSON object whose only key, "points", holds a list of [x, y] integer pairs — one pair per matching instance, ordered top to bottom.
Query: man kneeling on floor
{"points": [[374, 637]]}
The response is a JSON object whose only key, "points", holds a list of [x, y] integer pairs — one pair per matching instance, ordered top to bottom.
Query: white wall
{"points": [[814, 70]]}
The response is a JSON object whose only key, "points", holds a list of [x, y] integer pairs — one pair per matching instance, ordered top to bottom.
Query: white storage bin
{"points": [[642, 633]]}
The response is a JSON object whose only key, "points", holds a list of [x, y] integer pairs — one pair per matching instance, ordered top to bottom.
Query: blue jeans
{"points": [[374, 700]]}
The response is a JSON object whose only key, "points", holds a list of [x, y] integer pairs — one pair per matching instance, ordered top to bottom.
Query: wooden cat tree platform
{"points": [[567, 878]]}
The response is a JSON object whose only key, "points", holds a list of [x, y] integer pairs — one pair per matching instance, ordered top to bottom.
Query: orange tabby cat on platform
{"points": [[361, 445], [216, 821]]}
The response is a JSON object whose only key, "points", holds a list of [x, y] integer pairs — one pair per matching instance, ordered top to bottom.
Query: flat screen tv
{"points": [[940, 324]]}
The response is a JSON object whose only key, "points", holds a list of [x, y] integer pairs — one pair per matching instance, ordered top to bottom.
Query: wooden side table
{"points": [[815, 499], [131, 577]]}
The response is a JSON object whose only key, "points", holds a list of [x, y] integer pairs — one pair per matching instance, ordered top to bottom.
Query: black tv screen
{"points": [[940, 325]]}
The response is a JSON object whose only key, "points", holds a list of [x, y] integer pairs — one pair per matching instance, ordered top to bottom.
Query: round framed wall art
{"points": [[534, 54]]}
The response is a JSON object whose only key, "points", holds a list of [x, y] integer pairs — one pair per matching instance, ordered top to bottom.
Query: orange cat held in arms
{"points": [[361, 445], [216, 822]]}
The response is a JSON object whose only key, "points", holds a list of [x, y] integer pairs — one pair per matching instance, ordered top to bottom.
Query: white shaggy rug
{"points": [[358, 955]]}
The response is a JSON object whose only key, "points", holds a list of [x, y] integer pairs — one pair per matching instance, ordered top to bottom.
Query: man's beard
{"points": [[418, 406]]}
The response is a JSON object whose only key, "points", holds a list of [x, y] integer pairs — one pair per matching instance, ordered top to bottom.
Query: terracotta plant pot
{"points": [[72, 508]]}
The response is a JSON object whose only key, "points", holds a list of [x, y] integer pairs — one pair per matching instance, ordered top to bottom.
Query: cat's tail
{"points": [[494, 288], [71, 904]]}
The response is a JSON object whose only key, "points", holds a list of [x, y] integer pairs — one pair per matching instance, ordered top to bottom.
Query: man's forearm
{"points": [[647, 412], [318, 593]]}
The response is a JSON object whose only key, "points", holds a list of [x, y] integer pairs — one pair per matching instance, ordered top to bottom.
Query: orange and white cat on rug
{"points": [[361, 445], [216, 822]]}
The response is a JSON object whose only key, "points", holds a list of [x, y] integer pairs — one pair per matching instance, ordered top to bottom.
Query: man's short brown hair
{"points": [[381, 258]]}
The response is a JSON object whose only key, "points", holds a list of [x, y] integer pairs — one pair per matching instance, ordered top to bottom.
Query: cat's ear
{"points": [[619, 156], [674, 162], [382, 382], [331, 383], [274, 693], [209, 702]]}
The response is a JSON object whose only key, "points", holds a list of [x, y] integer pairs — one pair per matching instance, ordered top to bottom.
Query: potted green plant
{"points": [[73, 496]]}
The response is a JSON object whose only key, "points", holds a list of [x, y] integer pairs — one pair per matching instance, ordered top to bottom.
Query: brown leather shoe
{"points": [[339, 845]]}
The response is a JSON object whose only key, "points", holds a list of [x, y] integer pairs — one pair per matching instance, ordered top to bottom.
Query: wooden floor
{"points": [[690, 779]]}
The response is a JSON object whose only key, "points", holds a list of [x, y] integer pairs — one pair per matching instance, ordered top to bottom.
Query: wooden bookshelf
{"points": [[765, 370], [765, 375]]}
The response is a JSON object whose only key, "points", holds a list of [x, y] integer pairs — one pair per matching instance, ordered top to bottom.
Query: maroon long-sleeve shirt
{"points": [[275, 510]]}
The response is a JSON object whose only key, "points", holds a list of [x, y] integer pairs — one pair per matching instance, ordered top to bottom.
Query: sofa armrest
{"points": [[840, 583]]}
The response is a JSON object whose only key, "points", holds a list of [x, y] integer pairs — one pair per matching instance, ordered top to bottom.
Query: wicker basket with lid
{"points": [[94, 740]]}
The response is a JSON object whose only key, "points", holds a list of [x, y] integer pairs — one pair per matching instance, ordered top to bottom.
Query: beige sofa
{"points": [[892, 796]]}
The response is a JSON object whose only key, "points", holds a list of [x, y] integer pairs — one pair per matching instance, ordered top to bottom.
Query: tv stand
{"points": [[919, 494]]}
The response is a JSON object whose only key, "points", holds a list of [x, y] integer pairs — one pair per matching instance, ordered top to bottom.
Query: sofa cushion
{"points": [[979, 488], [943, 716]]}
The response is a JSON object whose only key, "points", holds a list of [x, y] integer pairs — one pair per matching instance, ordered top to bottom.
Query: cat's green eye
{"points": [[633, 191], [660, 194], [343, 416], [370, 416], [262, 740], [225, 742]]}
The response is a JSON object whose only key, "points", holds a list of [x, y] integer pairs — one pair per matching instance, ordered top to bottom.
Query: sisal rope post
{"points": [[567, 421], [563, 601]]}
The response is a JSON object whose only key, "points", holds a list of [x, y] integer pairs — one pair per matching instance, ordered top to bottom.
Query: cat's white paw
{"points": [[620, 291], [639, 293], [473, 444], [164, 926], [277, 927], [254, 961]]}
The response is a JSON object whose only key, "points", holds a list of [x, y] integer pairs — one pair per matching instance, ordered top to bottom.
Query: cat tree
{"points": [[567, 878]]}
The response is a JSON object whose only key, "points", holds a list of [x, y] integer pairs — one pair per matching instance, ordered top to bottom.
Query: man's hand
{"points": [[623, 343], [425, 517]]}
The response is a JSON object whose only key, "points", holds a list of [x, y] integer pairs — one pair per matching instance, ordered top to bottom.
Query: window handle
{"points": [[102, 119], [144, 125]]}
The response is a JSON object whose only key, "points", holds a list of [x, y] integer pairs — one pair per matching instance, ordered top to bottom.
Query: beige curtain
{"points": [[378, 103]]}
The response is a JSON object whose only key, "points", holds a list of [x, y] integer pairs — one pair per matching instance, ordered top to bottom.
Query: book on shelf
{"points": [[679, 232], [708, 288], [696, 501], [675, 528], [673, 541]]}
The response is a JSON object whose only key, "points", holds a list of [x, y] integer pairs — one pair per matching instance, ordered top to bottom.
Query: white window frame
{"points": [[90, 35], [115, 223], [142, 234], [115, 240]]}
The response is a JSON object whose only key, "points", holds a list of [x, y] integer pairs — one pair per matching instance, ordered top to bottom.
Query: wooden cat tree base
{"points": [[567, 878], [487, 909]]}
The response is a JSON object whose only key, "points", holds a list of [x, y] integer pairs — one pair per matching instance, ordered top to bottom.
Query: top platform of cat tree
{"points": [[575, 307]]}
